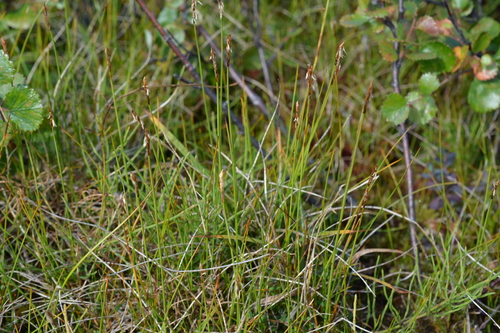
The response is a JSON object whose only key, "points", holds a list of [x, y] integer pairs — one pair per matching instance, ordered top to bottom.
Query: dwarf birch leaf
{"points": [[353, 20], [486, 24], [481, 42], [387, 51], [445, 58], [6, 69], [428, 83], [484, 96], [24, 108], [423, 108], [395, 109]]}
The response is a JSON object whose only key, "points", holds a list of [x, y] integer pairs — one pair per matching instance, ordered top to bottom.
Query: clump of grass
{"points": [[145, 209]]}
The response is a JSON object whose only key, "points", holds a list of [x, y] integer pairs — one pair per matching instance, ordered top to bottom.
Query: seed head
{"points": [[220, 5], [228, 50]]}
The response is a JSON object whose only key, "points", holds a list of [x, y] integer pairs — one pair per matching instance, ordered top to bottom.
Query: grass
{"points": [[200, 233]]}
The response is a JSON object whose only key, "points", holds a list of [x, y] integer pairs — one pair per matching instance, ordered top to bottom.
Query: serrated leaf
{"points": [[354, 20], [486, 24], [428, 25], [481, 42], [387, 51], [418, 56], [445, 58], [6, 69], [428, 83], [484, 96], [24, 108], [423, 108], [395, 109]]}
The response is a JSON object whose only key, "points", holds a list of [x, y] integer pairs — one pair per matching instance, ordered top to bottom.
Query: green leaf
{"points": [[363, 4], [465, 7], [411, 8], [21, 18], [354, 20], [486, 24], [482, 41], [387, 51], [418, 56], [445, 60], [6, 69], [18, 80], [428, 83], [484, 96], [423, 107], [24, 108], [395, 109]]}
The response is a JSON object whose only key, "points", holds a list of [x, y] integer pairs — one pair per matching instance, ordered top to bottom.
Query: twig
{"points": [[457, 28], [210, 93], [404, 132]]}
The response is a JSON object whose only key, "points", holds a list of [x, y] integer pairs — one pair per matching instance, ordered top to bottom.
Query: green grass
{"points": [[201, 233]]}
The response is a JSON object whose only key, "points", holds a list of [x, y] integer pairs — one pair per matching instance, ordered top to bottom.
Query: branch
{"points": [[457, 28], [210, 93], [404, 132]]}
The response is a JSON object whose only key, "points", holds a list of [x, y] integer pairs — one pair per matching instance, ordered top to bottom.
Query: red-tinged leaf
{"points": [[428, 25], [445, 27], [387, 51], [461, 53], [485, 69]]}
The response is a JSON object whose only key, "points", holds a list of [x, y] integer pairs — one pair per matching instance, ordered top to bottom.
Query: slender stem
{"points": [[211, 94]]}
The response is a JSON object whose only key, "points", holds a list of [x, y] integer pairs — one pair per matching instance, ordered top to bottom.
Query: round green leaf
{"points": [[444, 62], [6, 69], [428, 83], [484, 96], [24, 108], [395, 109]]}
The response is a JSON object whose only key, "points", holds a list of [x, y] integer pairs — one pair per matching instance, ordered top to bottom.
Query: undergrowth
{"points": [[146, 210]]}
